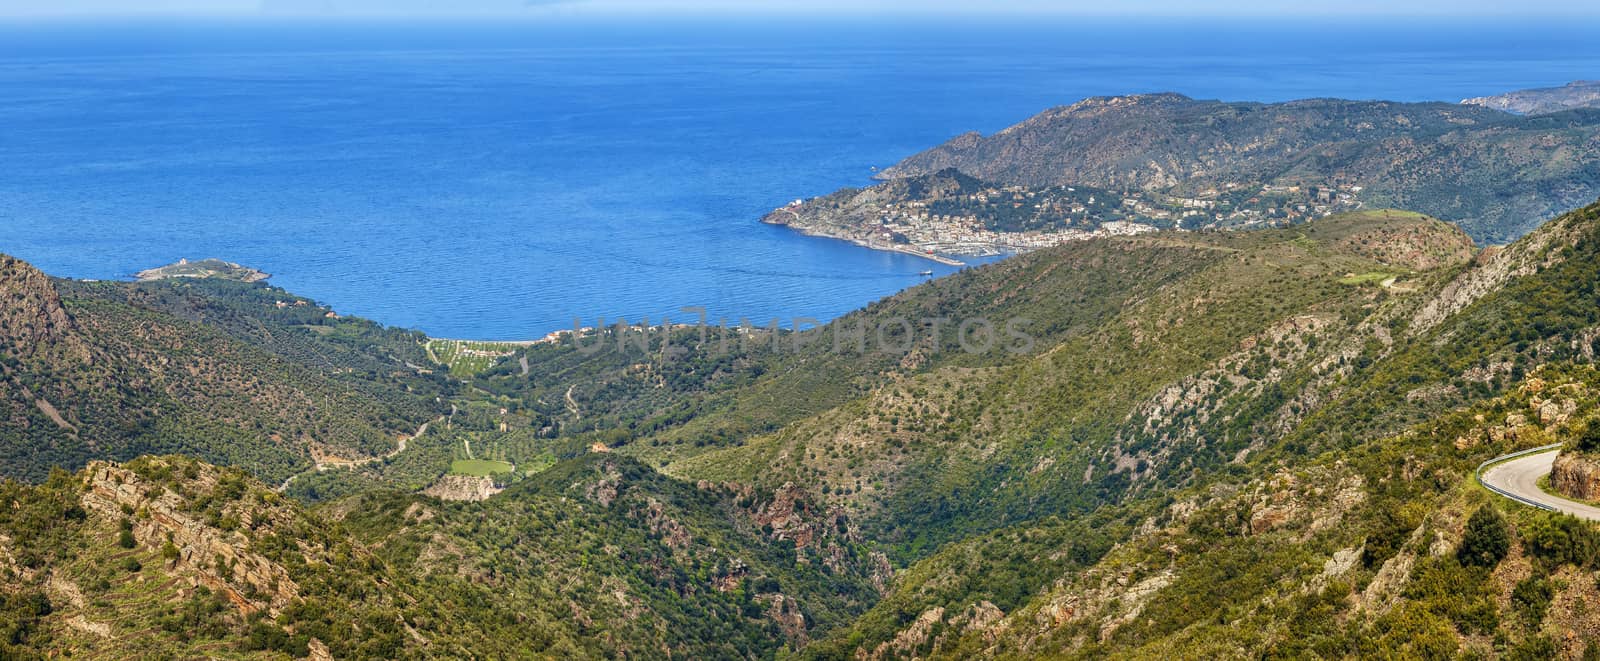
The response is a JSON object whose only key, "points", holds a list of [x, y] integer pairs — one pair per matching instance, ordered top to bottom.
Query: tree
{"points": [[1588, 439], [1487, 539]]}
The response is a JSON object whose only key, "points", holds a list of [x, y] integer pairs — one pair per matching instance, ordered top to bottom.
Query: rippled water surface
{"points": [[494, 181]]}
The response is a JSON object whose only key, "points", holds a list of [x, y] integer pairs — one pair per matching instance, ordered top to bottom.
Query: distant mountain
{"points": [[1576, 94], [1495, 174]]}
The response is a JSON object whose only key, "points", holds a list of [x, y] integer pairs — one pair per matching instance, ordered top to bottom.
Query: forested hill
{"points": [[1495, 174], [234, 373], [1212, 444], [1347, 525], [168, 557]]}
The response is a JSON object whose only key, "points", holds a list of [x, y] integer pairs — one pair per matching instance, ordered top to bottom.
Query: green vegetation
{"points": [[1497, 174], [1371, 278], [465, 358], [211, 368], [1589, 439], [1212, 448], [480, 467], [1487, 539], [640, 555]]}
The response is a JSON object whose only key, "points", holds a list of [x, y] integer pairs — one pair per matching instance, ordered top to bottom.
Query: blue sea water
{"points": [[497, 180]]}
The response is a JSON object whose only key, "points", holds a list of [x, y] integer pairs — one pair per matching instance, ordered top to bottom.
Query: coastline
{"points": [[864, 243]]}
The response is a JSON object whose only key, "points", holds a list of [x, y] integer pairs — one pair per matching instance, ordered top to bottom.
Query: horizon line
{"points": [[558, 10]]}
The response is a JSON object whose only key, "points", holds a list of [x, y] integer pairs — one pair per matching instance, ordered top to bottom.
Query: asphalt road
{"points": [[1520, 476]]}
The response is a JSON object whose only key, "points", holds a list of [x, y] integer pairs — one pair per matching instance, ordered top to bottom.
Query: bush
{"points": [[1588, 439], [1389, 530], [1487, 539], [1559, 539], [1532, 599]]}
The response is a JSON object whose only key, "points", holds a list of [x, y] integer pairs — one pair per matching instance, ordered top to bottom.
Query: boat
{"points": [[926, 273]]}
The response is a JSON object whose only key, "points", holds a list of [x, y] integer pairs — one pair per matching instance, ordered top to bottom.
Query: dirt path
{"points": [[572, 404], [331, 464]]}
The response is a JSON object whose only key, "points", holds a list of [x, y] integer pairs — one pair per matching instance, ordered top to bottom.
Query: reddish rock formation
{"points": [[1577, 476]]}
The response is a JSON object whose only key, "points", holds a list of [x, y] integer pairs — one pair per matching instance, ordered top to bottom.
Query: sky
{"points": [[646, 7]]}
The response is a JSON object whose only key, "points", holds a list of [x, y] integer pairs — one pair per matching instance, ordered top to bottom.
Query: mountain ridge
{"points": [[1451, 161], [1267, 431]]}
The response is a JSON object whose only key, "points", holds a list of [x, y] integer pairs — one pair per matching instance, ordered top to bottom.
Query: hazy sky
{"points": [[539, 7]]}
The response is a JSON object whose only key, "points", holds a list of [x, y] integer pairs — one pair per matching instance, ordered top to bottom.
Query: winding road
{"points": [[352, 463], [1520, 478]]}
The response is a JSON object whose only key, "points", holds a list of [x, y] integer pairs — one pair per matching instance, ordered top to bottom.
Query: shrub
{"points": [[1588, 438], [1487, 539], [1559, 539]]}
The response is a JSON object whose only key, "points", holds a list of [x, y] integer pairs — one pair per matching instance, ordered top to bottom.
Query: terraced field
{"points": [[466, 357], [480, 467]]}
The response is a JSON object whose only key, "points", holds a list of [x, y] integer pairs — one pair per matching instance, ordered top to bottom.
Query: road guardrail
{"points": [[1478, 474]]}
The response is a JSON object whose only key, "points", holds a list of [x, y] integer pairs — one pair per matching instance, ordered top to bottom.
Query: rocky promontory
{"points": [[205, 268]]}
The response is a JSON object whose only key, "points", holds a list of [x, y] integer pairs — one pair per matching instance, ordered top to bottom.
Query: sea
{"points": [[504, 179]]}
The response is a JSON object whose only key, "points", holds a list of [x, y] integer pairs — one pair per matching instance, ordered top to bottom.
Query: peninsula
{"points": [[1132, 164], [205, 268]]}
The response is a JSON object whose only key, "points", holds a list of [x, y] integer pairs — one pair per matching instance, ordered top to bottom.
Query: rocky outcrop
{"points": [[32, 320], [1577, 475], [462, 487], [793, 516], [218, 559], [785, 612]]}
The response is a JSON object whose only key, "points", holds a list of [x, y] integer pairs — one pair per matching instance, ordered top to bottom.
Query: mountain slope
{"points": [[1576, 94], [1495, 174], [104, 371], [1194, 371], [1213, 443], [1336, 536], [168, 557], [599, 557], [632, 563]]}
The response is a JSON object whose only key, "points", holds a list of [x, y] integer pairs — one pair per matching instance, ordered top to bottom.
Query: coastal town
{"points": [[950, 215]]}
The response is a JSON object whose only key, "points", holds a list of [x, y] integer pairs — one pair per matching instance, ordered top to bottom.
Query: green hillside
{"points": [[1496, 174], [233, 373], [1225, 444]]}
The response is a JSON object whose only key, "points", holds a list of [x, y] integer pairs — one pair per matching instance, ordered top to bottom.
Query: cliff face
{"points": [[32, 320], [1577, 476]]}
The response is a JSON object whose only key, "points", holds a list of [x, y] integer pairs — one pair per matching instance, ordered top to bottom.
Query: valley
{"points": [[1230, 397], [829, 502]]}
